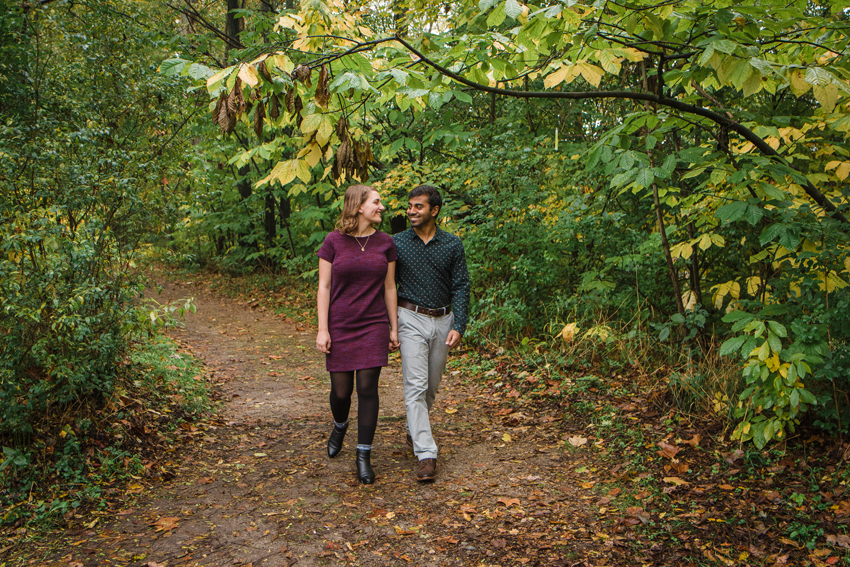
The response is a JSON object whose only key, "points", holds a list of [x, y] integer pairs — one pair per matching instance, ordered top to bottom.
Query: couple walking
{"points": [[362, 316]]}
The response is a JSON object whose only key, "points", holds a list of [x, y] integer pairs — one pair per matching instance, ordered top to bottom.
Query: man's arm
{"points": [[460, 295]]}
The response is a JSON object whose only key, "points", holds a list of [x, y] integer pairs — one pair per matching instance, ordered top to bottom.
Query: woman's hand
{"points": [[323, 342], [394, 344]]}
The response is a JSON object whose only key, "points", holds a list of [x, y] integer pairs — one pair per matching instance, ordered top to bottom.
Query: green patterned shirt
{"points": [[433, 275]]}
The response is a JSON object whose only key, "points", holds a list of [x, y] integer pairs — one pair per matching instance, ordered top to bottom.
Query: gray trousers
{"points": [[423, 359]]}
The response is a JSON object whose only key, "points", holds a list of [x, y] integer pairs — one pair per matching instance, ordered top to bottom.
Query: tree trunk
{"points": [[233, 25]]}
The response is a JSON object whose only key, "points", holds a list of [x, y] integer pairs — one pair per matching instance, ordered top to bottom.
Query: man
{"points": [[433, 301]]}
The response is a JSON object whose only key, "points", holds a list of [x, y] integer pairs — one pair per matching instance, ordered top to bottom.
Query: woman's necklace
{"points": [[362, 246]]}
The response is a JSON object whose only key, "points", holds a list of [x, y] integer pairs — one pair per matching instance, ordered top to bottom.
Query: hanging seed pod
{"points": [[264, 71], [323, 93], [222, 100], [274, 107], [297, 110], [259, 115], [226, 120], [341, 129], [357, 156]]}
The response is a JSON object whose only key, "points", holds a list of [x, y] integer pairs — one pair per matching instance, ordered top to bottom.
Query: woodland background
{"points": [[652, 188]]}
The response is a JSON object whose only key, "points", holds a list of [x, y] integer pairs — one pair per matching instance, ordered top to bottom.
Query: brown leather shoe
{"points": [[427, 470]]}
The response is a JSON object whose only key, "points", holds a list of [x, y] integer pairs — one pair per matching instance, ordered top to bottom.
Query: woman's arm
{"points": [[391, 299], [323, 301]]}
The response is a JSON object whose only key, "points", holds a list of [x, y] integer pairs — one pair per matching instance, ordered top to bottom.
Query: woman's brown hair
{"points": [[355, 196]]}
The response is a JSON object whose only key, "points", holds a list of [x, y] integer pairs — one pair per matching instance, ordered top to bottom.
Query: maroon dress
{"points": [[357, 314]]}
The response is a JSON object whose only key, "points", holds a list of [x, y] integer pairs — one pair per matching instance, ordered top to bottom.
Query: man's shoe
{"points": [[335, 441], [409, 441], [364, 467], [427, 470]]}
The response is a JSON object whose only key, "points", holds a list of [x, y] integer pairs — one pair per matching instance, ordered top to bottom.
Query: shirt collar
{"points": [[435, 238]]}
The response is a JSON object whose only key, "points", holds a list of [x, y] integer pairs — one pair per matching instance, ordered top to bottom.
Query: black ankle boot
{"points": [[335, 441], [364, 467]]}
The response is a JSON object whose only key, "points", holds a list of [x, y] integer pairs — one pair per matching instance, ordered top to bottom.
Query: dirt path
{"points": [[257, 488]]}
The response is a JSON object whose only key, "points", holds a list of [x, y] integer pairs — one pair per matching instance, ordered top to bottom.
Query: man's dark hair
{"points": [[434, 197]]}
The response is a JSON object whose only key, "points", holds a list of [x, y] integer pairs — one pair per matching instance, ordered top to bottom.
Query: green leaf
{"points": [[512, 9], [496, 17], [171, 67], [818, 76], [462, 96], [669, 163], [645, 177], [731, 212], [753, 214], [771, 233], [778, 329], [775, 343], [732, 345]]}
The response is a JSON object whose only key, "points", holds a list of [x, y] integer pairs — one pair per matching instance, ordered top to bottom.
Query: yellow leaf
{"points": [[365, 31], [633, 54], [591, 73], [249, 75], [218, 76], [556, 78], [797, 79], [827, 95], [311, 123], [315, 155], [832, 165], [843, 171], [284, 172], [705, 242], [753, 285], [569, 331], [763, 351], [773, 363], [451, 410], [506, 437], [675, 480]]}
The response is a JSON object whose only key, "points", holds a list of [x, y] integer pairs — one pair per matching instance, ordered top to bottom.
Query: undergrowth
{"points": [[78, 454]]}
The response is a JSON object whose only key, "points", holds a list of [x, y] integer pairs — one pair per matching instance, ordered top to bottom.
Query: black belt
{"points": [[424, 310]]}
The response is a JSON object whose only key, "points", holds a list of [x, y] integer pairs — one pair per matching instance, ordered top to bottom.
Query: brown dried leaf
{"points": [[302, 73], [222, 100], [290, 100], [667, 450], [508, 501], [841, 540]]}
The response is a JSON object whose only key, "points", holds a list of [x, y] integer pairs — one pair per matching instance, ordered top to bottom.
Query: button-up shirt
{"points": [[433, 275]]}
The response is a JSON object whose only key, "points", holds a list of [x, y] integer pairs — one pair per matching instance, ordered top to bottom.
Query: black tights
{"points": [[342, 385]]}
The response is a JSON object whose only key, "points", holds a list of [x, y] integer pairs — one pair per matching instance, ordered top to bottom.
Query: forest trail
{"points": [[255, 487]]}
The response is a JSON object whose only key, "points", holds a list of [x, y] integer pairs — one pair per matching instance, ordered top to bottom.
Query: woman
{"points": [[358, 323]]}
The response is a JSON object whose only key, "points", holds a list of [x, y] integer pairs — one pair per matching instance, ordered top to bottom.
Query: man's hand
{"points": [[453, 339]]}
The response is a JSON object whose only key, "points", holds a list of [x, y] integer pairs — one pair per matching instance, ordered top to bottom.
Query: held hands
{"points": [[453, 339], [323, 342], [394, 343]]}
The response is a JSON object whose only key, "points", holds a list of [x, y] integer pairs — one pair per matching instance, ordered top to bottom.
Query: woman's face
{"points": [[372, 208]]}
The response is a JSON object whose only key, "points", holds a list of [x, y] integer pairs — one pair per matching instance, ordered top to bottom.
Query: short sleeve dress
{"points": [[357, 314]]}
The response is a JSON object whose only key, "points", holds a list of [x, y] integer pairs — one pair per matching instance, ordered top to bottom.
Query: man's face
{"points": [[419, 211]]}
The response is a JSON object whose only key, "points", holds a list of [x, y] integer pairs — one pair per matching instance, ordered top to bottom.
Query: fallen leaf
{"points": [[451, 410], [506, 437], [577, 441], [667, 450], [260, 455], [206, 480], [675, 480], [587, 484], [726, 487], [508, 501], [165, 524], [841, 540], [499, 543]]}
